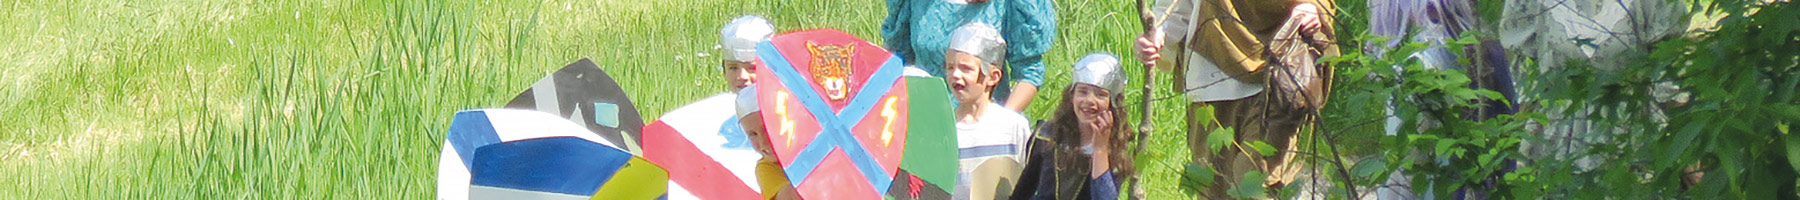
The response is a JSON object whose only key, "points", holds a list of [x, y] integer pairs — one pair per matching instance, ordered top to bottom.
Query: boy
{"points": [[916, 31], [737, 53], [984, 130], [769, 174]]}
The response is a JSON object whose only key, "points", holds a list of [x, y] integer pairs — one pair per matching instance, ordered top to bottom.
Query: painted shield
{"points": [[583, 93], [835, 108], [705, 149], [523, 154], [928, 170], [994, 178]]}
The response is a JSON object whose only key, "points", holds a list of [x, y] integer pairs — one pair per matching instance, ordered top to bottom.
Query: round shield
{"points": [[706, 151], [522, 154], [994, 178]]}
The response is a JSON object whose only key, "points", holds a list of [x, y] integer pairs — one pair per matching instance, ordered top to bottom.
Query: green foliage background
{"points": [[1742, 75], [1730, 139]]}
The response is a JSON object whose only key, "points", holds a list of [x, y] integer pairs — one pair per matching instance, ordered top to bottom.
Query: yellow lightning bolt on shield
{"points": [[787, 124], [887, 130]]}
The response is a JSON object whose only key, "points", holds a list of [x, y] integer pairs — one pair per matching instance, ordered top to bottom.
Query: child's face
{"points": [[738, 74], [968, 81], [1093, 107], [759, 137]]}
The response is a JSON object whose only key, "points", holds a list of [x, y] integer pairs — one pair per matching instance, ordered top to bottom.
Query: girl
{"points": [[1080, 153]]}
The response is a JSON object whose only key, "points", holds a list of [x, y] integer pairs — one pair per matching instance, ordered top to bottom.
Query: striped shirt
{"points": [[999, 133]]}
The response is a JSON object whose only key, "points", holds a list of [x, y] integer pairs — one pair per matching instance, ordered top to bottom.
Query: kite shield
{"points": [[583, 93]]}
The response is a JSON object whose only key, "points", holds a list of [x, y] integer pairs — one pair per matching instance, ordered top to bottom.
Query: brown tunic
{"points": [[1234, 34]]}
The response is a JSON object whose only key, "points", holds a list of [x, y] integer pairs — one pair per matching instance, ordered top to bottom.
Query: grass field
{"points": [[204, 99]]}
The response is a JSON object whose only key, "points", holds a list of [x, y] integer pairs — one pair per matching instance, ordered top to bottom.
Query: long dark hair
{"points": [[1064, 129]]}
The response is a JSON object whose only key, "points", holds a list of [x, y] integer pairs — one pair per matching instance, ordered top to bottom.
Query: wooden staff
{"points": [[1145, 17]]}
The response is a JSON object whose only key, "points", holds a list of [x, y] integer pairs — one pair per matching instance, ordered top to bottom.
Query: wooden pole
{"points": [[1145, 17]]}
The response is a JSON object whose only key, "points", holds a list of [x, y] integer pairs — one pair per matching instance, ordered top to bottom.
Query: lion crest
{"points": [[831, 68]]}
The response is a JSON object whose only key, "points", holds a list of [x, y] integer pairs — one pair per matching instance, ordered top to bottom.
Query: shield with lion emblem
{"points": [[836, 109]]}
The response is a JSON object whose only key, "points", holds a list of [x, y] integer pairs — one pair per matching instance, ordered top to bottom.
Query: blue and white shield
{"points": [[522, 154]]}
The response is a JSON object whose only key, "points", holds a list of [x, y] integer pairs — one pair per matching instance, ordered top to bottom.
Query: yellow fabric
{"points": [[1233, 33], [770, 177], [639, 179]]}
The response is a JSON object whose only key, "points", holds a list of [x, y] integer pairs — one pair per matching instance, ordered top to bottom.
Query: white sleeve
{"points": [[1175, 17], [1022, 141]]}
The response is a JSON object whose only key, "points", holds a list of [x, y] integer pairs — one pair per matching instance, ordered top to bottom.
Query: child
{"points": [[916, 31], [737, 53], [738, 63], [984, 130], [1084, 155], [769, 174]]}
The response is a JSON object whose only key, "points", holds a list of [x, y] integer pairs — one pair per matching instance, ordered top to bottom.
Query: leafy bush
{"points": [[1729, 139]]}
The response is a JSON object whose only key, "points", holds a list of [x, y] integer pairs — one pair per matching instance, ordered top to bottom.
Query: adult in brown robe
{"points": [[1253, 62]]}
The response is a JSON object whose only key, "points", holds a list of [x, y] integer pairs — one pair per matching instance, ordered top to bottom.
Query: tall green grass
{"points": [[203, 99]]}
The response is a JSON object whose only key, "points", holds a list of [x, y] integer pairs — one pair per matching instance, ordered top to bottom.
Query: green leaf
{"points": [[1492, 95], [1783, 127], [1220, 138], [1681, 142], [1443, 146], [1262, 148], [1793, 151], [1487, 159], [1369, 168], [1522, 174], [1197, 177], [1251, 187]]}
